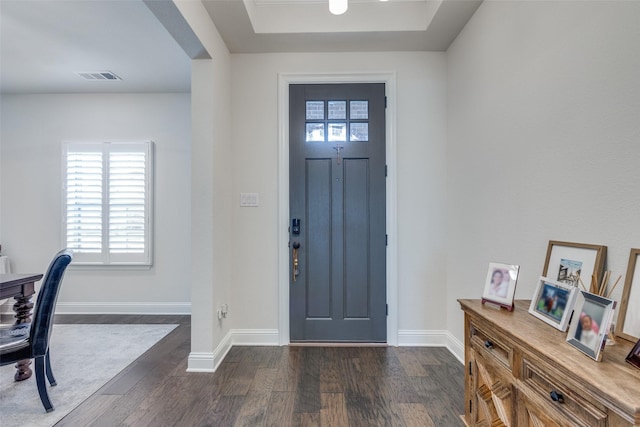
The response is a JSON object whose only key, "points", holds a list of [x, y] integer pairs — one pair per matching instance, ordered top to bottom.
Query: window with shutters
{"points": [[108, 194]]}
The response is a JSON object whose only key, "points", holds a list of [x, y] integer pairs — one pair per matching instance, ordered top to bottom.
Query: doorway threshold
{"points": [[337, 344]]}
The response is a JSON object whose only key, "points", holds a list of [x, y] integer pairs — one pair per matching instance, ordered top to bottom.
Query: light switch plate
{"points": [[249, 199]]}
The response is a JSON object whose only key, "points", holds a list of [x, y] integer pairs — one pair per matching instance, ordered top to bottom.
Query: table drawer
{"points": [[485, 341], [567, 399]]}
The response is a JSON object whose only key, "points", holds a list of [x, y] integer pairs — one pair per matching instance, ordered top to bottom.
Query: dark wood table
{"points": [[20, 287]]}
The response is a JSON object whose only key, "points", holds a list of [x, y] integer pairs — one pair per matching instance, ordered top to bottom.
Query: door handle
{"points": [[294, 258]]}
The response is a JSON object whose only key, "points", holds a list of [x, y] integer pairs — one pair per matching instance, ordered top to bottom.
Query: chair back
{"points": [[42, 319]]}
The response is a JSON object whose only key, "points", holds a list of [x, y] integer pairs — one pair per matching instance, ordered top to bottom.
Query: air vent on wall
{"points": [[98, 75]]}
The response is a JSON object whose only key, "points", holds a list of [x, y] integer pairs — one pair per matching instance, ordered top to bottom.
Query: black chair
{"points": [[31, 341]]}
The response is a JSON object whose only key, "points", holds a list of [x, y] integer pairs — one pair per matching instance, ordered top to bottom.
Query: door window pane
{"points": [[315, 110], [337, 110], [359, 110], [337, 131], [315, 132], [359, 132]]}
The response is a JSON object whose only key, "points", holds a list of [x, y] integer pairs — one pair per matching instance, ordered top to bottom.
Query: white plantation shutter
{"points": [[127, 181], [108, 202]]}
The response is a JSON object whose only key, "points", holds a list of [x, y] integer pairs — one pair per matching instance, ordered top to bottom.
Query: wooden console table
{"points": [[521, 372]]}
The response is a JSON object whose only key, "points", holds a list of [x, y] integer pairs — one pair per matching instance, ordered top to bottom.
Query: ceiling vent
{"points": [[98, 75]]}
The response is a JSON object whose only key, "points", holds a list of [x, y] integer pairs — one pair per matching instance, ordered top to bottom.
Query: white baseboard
{"points": [[123, 308], [182, 308], [255, 337], [421, 338], [435, 338], [455, 347], [201, 362], [209, 362]]}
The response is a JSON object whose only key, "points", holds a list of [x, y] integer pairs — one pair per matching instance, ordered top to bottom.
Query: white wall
{"points": [[421, 91], [33, 130], [525, 131], [543, 138], [211, 192]]}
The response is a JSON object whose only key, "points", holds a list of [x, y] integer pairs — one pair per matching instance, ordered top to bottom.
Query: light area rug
{"points": [[83, 359]]}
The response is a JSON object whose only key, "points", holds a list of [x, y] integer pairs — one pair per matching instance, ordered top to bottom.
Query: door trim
{"points": [[284, 80]]}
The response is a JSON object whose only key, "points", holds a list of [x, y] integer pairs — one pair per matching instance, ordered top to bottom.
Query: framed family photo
{"points": [[567, 262], [500, 285], [553, 302], [592, 315], [628, 324]]}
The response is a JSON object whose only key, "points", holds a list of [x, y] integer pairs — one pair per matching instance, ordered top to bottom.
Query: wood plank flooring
{"points": [[276, 386]]}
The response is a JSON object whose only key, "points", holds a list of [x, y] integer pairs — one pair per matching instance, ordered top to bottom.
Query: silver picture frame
{"points": [[553, 302], [592, 316]]}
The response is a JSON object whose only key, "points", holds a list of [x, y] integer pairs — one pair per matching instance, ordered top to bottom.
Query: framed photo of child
{"points": [[500, 285], [592, 315]]}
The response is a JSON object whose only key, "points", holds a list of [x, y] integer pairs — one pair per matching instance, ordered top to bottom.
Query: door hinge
{"points": [[385, 102], [386, 171], [386, 240], [386, 309], [470, 373]]}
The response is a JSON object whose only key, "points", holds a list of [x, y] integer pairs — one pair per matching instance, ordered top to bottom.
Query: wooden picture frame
{"points": [[566, 262], [500, 285], [553, 302], [595, 313], [628, 324], [634, 355]]}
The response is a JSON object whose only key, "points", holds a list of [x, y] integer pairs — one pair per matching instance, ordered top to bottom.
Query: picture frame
{"points": [[567, 262], [500, 286], [553, 302], [592, 315], [628, 324], [634, 355]]}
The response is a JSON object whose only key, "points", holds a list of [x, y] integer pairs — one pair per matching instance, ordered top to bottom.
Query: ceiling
{"points": [[254, 26], [44, 44]]}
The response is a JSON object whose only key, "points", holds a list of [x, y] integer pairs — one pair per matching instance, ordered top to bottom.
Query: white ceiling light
{"points": [[338, 7]]}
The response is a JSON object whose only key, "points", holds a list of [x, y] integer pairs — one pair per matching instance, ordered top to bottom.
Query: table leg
{"points": [[22, 308], [23, 370]]}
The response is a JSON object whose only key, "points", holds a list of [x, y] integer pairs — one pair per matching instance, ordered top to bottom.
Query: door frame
{"points": [[284, 80]]}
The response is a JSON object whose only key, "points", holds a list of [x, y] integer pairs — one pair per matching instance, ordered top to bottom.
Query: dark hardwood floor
{"points": [[276, 386]]}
